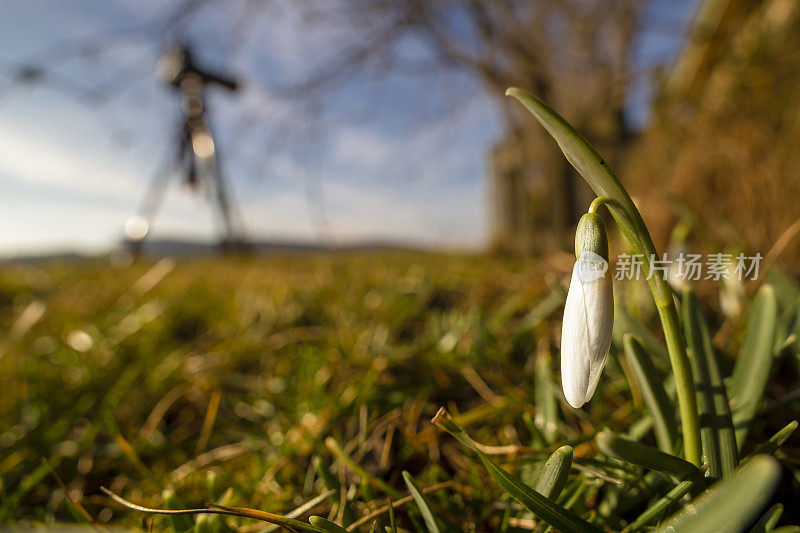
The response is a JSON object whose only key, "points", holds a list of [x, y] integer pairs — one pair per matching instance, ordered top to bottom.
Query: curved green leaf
{"points": [[625, 323], [751, 372], [653, 394], [546, 417], [716, 425], [777, 440], [644, 456], [553, 477], [422, 503], [731, 504], [548, 510], [654, 512], [769, 520], [327, 525], [392, 527]]}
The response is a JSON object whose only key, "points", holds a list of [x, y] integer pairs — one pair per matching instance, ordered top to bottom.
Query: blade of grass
{"points": [[544, 308], [625, 323], [751, 372], [653, 394], [546, 417], [716, 425], [640, 428], [537, 438], [777, 440], [644, 456], [553, 477], [378, 483], [27, 484], [571, 495], [395, 504], [341, 505], [729, 505], [75, 508], [545, 509], [657, 509], [300, 511], [256, 514], [427, 515], [392, 519], [769, 520], [180, 522], [214, 523], [289, 523], [326, 524]]}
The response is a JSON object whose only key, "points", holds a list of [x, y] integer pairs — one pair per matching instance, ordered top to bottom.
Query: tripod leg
{"points": [[138, 226], [232, 239]]}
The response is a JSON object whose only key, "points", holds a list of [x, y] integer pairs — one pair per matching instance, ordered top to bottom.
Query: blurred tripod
{"points": [[197, 158]]}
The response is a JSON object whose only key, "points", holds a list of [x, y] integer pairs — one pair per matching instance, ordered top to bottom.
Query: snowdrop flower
{"points": [[588, 314]]}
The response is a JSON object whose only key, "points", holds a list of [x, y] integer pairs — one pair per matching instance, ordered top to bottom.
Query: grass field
{"points": [[286, 378]]}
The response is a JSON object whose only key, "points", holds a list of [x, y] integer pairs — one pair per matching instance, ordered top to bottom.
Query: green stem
{"points": [[607, 186], [633, 227]]}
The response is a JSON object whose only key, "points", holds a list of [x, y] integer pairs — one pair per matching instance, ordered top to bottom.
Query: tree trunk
{"points": [[537, 197]]}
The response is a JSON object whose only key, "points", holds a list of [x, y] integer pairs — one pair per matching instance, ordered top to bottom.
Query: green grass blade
{"points": [[544, 308], [625, 323], [751, 372], [653, 394], [546, 417], [716, 425], [638, 429], [777, 440], [336, 449], [644, 456], [553, 477], [28, 483], [331, 483], [422, 503], [729, 505], [657, 509], [297, 511], [549, 511], [392, 519], [769, 520], [180, 522], [207, 523], [215, 523], [290, 524], [325, 524]]}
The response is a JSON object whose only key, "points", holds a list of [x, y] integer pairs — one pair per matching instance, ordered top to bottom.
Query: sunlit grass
{"points": [[282, 378]]}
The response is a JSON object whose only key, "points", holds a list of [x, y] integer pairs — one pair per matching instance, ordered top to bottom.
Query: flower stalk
{"points": [[610, 192]]}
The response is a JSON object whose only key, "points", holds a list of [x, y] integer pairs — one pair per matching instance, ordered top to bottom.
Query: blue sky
{"points": [[377, 164]]}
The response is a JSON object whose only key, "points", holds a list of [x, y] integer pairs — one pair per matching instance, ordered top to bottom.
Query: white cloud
{"points": [[362, 148], [39, 161]]}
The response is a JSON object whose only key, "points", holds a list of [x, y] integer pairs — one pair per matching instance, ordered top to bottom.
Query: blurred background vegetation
{"points": [[254, 371], [267, 373]]}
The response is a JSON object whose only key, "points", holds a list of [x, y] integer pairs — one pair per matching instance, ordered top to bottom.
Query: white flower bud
{"points": [[588, 314]]}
